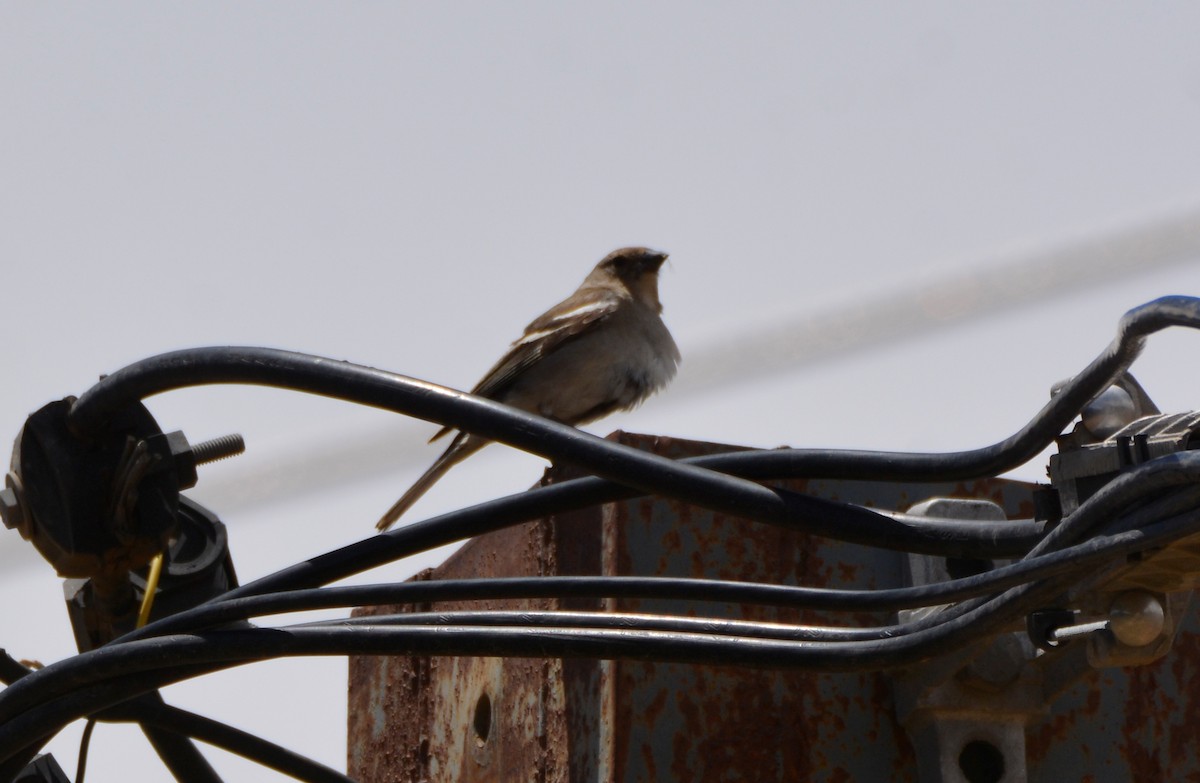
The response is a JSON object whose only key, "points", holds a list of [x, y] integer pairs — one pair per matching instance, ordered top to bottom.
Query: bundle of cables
{"points": [[1145, 507]]}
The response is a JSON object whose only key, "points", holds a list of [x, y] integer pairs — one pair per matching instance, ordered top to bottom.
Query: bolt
{"points": [[1109, 412], [218, 448], [184, 457], [11, 510], [1137, 618], [1068, 632]]}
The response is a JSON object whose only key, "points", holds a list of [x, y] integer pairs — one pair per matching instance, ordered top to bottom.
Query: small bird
{"points": [[602, 349]]}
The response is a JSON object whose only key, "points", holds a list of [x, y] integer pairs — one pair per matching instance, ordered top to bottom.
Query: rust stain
{"points": [[1184, 663], [1140, 719], [1055, 730], [1157, 739]]}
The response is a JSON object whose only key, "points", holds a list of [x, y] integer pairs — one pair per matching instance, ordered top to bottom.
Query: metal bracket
{"points": [[966, 713]]}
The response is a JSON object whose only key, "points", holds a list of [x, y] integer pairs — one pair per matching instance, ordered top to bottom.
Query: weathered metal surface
{"points": [[416, 719], [461, 719], [699, 723], [1131, 724]]}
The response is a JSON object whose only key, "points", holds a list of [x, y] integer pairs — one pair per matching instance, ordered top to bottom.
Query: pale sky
{"points": [[406, 185]]}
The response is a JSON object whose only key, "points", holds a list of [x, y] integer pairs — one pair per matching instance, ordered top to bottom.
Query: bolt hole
{"points": [[962, 567], [483, 719], [981, 762]]}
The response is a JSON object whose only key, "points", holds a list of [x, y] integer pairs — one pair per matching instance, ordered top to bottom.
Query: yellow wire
{"points": [[151, 589]]}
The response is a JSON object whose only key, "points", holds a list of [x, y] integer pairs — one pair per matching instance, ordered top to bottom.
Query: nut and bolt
{"points": [[186, 457], [12, 511], [1135, 617]]}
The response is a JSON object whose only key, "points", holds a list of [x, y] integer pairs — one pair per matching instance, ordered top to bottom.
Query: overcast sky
{"points": [[406, 185]]}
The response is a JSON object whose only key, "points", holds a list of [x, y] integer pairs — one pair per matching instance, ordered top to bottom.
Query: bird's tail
{"points": [[461, 448]]}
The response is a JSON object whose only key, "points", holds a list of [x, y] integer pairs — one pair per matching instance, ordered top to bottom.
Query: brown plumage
{"points": [[602, 349]]}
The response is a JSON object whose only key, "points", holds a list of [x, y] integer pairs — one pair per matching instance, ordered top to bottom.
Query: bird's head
{"points": [[637, 268]]}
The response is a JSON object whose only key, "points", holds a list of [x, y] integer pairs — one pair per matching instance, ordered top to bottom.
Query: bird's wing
{"points": [[557, 326]]}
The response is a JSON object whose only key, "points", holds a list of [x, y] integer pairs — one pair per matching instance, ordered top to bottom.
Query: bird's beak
{"points": [[655, 261]]}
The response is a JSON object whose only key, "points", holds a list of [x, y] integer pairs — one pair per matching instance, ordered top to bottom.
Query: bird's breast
{"points": [[611, 368]]}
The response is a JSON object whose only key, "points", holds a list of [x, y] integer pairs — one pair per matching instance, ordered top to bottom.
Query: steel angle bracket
{"points": [[966, 713]]}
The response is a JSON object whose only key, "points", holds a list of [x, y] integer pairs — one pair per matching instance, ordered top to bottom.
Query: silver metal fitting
{"points": [[1110, 411], [1136, 618]]}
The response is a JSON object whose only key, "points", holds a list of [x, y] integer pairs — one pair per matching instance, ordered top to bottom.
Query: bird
{"points": [[603, 349]]}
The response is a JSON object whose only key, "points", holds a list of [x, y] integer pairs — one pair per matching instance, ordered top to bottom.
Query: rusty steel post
{"points": [[438, 719]]}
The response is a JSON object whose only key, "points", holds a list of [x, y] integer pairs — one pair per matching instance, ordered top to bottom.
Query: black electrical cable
{"points": [[1156, 315], [343, 380], [370, 386], [375, 387], [385, 390], [1017, 449], [627, 466], [1135, 485], [1127, 490], [1108, 503], [497, 514], [483, 518], [1147, 533], [955, 538], [1077, 558], [1010, 600], [552, 618], [186, 651], [146, 660], [149, 664], [94, 665], [123, 670], [117, 696], [150, 710], [85, 743], [244, 744], [177, 752], [179, 755]]}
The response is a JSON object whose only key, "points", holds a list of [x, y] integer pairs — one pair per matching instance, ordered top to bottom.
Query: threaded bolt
{"points": [[218, 448]]}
